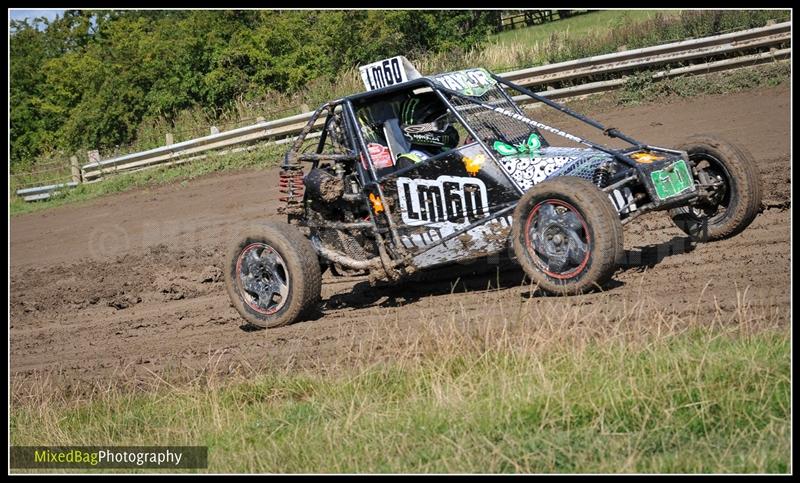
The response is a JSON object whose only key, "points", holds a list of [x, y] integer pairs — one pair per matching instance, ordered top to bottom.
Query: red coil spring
{"points": [[291, 185]]}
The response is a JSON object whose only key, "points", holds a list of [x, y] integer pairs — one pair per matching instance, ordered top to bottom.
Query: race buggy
{"points": [[424, 171]]}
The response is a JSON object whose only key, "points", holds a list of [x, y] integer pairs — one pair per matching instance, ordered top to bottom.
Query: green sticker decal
{"points": [[534, 143], [531, 146], [504, 149], [672, 180]]}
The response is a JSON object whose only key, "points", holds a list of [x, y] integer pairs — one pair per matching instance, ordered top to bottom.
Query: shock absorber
{"points": [[601, 175], [292, 187]]}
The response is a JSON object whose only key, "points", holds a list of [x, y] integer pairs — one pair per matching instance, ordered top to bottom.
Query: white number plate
{"points": [[387, 72]]}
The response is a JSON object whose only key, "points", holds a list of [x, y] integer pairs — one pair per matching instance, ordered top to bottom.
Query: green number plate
{"points": [[672, 180]]}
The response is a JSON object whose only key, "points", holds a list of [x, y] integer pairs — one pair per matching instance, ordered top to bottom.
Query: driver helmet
{"points": [[426, 126]]}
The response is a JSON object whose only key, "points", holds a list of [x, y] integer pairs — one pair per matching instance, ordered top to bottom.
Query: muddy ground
{"points": [[131, 283]]}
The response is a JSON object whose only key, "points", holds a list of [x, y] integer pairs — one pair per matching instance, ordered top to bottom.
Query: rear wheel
{"points": [[735, 199], [567, 235], [273, 275]]}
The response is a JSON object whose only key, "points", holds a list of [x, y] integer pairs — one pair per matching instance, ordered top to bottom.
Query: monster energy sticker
{"points": [[407, 111]]}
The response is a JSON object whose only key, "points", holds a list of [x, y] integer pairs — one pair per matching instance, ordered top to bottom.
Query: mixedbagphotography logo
{"points": [[162, 457]]}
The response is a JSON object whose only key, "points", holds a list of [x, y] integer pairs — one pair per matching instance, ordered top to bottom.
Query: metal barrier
{"points": [[736, 44]]}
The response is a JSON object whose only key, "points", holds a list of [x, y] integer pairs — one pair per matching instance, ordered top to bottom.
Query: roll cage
{"points": [[341, 122]]}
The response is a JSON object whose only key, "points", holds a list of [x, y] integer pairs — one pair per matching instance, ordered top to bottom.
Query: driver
{"points": [[426, 129], [405, 132], [426, 140]]}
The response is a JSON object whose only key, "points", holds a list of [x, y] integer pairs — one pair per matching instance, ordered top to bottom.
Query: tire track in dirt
{"points": [[131, 283]]}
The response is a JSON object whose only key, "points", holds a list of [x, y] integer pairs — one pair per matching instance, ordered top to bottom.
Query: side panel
{"points": [[529, 169], [444, 196]]}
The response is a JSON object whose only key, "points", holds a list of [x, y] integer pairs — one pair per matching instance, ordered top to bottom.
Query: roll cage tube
{"points": [[350, 114], [610, 132], [324, 136], [613, 152], [292, 154], [617, 154]]}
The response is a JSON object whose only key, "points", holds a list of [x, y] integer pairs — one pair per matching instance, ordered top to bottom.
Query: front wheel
{"points": [[731, 174], [567, 235], [273, 275]]}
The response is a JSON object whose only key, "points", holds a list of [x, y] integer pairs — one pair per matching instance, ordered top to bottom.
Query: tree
{"points": [[89, 79]]}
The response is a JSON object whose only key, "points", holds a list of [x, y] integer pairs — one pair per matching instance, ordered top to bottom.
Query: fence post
{"points": [[170, 139], [94, 156], [76, 169]]}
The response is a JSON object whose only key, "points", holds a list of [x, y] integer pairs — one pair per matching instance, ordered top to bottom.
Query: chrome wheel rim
{"points": [[558, 239], [263, 278]]}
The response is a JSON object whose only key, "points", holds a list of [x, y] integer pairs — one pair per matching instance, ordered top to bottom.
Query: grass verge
{"points": [[595, 23], [641, 87], [260, 157], [647, 391], [695, 403]]}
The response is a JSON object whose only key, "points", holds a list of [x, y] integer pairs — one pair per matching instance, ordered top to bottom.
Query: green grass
{"points": [[590, 23], [598, 33], [641, 87], [263, 156], [700, 401]]}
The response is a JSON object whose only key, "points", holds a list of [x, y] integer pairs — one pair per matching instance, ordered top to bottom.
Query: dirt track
{"points": [[132, 283]]}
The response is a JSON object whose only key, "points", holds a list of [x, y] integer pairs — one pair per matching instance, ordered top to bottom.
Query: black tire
{"points": [[736, 205], [543, 212], [285, 282]]}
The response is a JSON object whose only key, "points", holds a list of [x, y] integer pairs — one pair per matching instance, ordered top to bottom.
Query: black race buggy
{"points": [[424, 171]]}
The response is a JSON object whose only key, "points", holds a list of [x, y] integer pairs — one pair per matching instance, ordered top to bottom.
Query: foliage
{"points": [[90, 78], [104, 79]]}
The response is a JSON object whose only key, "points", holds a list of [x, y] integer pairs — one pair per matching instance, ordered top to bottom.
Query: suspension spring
{"points": [[601, 176], [291, 187]]}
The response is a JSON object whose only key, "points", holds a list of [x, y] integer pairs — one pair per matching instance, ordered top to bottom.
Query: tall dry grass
{"points": [[499, 56], [543, 385]]}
